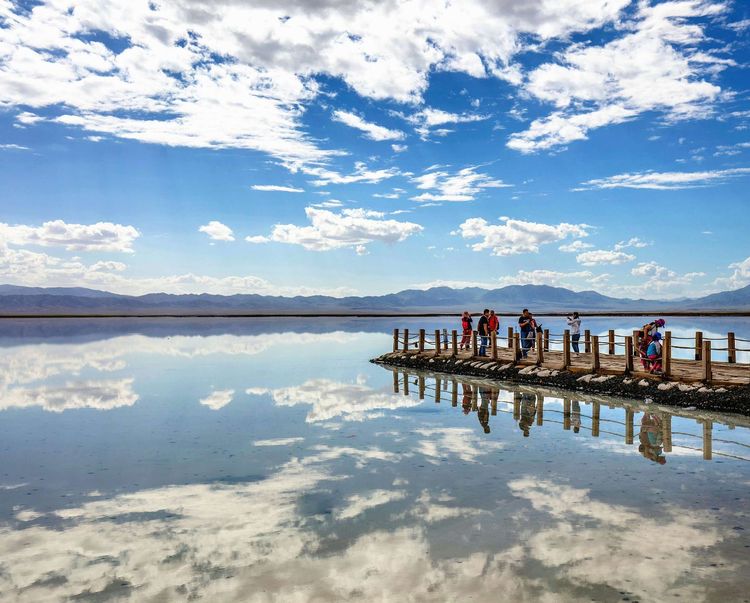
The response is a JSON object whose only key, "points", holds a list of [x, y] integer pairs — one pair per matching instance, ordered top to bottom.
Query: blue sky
{"points": [[319, 147]]}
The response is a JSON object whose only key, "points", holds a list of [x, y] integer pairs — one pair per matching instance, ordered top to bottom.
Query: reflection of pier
{"points": [[613, 355], [653, 429]]}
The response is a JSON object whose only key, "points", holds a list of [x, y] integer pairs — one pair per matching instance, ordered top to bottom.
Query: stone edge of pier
{"points": [[734, 399]]}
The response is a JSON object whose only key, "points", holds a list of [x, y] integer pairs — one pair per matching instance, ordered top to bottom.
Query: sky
{"points": [[306, 147]]}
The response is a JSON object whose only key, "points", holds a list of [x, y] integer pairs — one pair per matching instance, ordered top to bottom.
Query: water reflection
{"points": [[201, 468]]}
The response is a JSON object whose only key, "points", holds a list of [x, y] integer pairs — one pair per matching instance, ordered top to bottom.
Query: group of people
{"points": [[649, 344]]}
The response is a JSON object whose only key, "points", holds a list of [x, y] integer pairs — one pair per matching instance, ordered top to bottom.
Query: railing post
{"points": [[611, 336], [510, 338], [395, 340], [406, 340], [546, 340], [421, 341], [587, 341], [437, 342], [454, 342], [636, 342], [493, 344], [698, 344], [474, 347], [516, 347], [566, 349], [731, 349], [539, 350], [595, 350], [628, 354], [666, 354], [706, 361], [420, 381], [395, 382], [406, 384], [437, 390], [454, 393], [516, 406], [595, 413], [566, 414], [629, 414]]}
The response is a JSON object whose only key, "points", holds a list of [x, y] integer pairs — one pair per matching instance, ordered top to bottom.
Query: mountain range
{"points": [[29, 301]]}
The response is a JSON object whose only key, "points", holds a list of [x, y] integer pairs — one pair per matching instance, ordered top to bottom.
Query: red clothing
{"points": [[494, 323]]}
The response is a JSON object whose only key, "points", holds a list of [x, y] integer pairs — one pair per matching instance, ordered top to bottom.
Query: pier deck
{"points": [[704, 369]]}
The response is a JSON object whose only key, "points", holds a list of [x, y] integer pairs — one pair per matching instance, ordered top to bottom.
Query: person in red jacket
{"points": [[494, 322], [466, 329]]}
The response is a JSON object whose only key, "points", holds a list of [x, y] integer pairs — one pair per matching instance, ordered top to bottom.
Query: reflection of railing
{"points": [[623, 352], [473, 391]]}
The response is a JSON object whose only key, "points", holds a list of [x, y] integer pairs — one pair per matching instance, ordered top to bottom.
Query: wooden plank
{"points": [[510, 338], [611, 339], [395, 340], [406, 340], [546, 340], [421, 341], [587, 341], [437, 342], [454, 342], [698, 344], [474, 347], [516, 347], [731, 348], [566, 349], [539, 350], [628, 354], [666, 354], [395, 382], [437, 390], [454, 393], [540, 408], [595, 413], [629, 415], [708, 428]]}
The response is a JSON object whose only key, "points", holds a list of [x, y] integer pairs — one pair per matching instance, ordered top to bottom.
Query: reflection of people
{"points": [[466, 402], [484, 408], [528, 411], [575, 417], [651, 438]]}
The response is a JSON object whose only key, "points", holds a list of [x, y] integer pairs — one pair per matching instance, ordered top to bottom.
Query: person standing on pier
{"points": [[494, 322], [574, 323], [525, 325], [483, 327], [466, 328], [654, 353]]}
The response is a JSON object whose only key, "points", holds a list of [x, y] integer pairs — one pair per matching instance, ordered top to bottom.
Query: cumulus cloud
{"points": [[656, 66], [372, 131], [13, 147], [324, 176], [665, 180], [463, 185], [276, 188], [353, 228], [217, 231], [102, 236], [512, 237], [634, 242], [575, 247], [604, 256], [739, 277], [97, 394]]}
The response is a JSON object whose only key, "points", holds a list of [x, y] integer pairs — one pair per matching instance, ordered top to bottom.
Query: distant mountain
{"points": [[539, 298]]}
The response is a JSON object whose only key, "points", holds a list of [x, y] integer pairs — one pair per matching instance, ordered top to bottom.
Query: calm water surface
{"points": [[268, 460]]}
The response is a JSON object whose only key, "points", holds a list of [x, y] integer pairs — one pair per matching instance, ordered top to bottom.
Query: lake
{"points": [[269, 460]]}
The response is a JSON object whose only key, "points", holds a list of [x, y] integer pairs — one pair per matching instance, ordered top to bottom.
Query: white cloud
{"points": [[653, 67], [426, 120], [372, 131], [13, 147], [399, 148], [361, 174], [665, 180], [463, 185], [276, 188], [350, 228], [217, 231], [102, 236], [512, 237], [634, 242], [575, 247], [603, 256], [740, 276], [575, 280], [98, 394], [218, 399], [278, 442], [357, 504]]}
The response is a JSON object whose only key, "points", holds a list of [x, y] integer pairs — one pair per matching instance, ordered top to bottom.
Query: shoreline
{"points": [[367, 314], [731, 399]]}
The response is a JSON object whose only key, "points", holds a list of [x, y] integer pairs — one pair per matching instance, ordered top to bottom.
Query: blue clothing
{"points": [[654, 349]]}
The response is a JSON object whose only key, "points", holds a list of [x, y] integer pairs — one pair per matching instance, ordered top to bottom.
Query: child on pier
{"points": [[647, 334], [654, 353]]}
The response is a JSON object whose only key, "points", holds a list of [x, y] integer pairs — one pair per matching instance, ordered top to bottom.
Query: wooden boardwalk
{"points": [[704, 369]]}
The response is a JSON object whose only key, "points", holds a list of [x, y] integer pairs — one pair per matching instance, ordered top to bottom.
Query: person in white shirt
{"points": [[575, 330]]}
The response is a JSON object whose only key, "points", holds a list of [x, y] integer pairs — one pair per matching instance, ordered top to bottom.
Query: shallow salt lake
{"points": [[269, 460]]}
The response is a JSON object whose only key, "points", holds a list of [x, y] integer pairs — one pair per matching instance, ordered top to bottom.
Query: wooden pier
{"points": [[713, 361]]}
